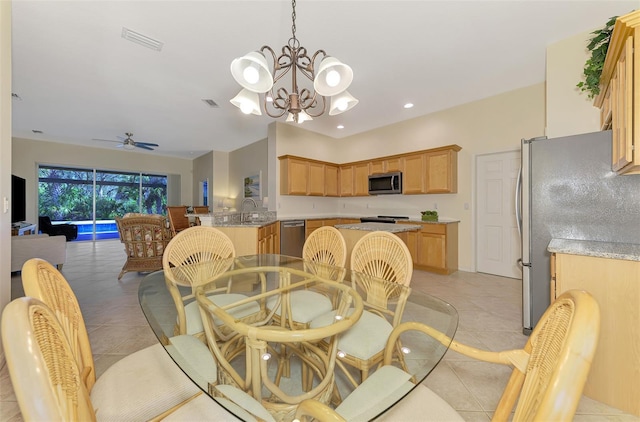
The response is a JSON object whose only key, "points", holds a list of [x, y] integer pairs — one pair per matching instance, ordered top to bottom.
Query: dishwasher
{"points": [[292, 237]]}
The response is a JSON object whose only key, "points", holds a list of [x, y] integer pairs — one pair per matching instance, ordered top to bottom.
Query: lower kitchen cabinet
{"points": [[316, 223], [253, 240], [435, 247], [614, 378]]}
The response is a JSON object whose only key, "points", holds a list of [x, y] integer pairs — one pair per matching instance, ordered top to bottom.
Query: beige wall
{"points": [[569, 111], [494, 124], [28, 153], [5, 157], [248, 161], [202, 170]]}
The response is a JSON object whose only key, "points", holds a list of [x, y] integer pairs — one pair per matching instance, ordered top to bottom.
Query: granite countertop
{"points": [[439, 221], [387, 227], [625, 251]]}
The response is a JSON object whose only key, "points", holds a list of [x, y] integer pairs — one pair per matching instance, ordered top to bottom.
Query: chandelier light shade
{"points": [[330, 78], [248, 102], [341, 103]]}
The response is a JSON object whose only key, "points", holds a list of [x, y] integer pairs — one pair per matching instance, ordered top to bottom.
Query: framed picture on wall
{"points": [[253, 186]]}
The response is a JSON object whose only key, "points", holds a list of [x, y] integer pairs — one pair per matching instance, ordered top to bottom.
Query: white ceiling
{"points": [[78, 79]]}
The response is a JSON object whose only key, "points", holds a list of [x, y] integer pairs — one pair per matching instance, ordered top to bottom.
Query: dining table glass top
{"points": [[258, 322]]}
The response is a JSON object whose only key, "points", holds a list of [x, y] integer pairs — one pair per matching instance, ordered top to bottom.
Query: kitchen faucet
{"points": [[243, 216]]}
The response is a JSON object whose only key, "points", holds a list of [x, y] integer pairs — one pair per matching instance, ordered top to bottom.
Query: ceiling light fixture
{"points": [[330, 79], [408, 105]]}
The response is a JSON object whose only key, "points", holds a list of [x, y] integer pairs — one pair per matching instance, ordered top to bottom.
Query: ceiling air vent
{"points": [[143, 40], [16, 96], [212, 103]]}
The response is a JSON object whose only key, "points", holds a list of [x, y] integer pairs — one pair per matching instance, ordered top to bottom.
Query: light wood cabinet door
{"points": [[619, 98], [393, 164], [376, 167], [441, 172], [293, 176], [413, 178], [361, 179], [316, 180], [330, 180], [346, 180], [311, 225], [412, 245], [433, 248], [615, 284]]}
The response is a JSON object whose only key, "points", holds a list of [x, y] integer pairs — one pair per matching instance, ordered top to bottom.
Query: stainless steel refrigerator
{"points": [[566, 190]]}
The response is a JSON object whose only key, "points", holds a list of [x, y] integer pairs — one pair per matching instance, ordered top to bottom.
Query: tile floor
{"points": [[489, 309]]}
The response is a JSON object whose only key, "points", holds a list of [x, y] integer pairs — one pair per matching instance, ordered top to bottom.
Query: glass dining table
{"points": [[271, 353]]}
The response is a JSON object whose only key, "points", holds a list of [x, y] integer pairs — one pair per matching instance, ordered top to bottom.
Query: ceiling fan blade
{"points": [[106, 140], [137, 144], [148, 144]]}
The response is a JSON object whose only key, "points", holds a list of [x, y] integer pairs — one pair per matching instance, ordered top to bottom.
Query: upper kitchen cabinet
{"points": [[619, 98], [386, 165], [431, 171], [303, 176], [361, 179], [346, 180]]}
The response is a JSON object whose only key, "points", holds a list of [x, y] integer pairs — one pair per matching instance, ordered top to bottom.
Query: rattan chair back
{"points": [[200, 209], [178, 219], [145, 237], [198, 244], [325, 245], [383, 255], [44, 282], [46, 378]]}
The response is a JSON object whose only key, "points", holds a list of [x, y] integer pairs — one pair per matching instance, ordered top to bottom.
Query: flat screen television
{"points": [[18, 199]]}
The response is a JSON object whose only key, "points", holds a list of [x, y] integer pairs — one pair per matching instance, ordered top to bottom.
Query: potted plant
{"points": [[598, 46], [429, 215]]}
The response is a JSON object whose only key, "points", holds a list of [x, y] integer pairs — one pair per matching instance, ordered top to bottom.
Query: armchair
{"points": [[70, 231], [145, 237]]}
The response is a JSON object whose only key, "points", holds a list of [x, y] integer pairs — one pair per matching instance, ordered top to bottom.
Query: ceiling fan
{"points": [[128, 143]]}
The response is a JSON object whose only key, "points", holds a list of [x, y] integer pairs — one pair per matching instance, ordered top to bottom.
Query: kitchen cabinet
{"points": [[619, 98], [386, 165], [429, 171], [433, 171], [441, 174], [302, 176], [413, 177], [361, 179], [331, 180], [346, 180], [316, 223], [269, 239], [250, 240], [435, 247], [614, 377]]}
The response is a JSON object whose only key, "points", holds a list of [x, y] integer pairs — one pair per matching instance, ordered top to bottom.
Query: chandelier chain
{"points": [[293, 19]]}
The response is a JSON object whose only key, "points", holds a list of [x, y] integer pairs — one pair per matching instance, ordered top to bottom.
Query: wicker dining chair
{"points": [[178, 219], [325, 246], [198, 254], [381, 255], [546, 383], [165, 385], [49, 386]]}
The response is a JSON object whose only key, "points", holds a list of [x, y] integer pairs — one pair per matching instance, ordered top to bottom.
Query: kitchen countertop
{"points": [[387, 227], [624, 251]]}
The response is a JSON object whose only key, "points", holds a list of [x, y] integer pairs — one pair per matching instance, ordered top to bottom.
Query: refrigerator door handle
{"points": [[518, 202]]}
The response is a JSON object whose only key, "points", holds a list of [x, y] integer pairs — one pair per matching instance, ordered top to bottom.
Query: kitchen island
{"points": [[353, 232], [611, 273]]}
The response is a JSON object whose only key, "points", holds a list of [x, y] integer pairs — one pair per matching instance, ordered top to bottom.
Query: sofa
{"points": [[50, 248]]}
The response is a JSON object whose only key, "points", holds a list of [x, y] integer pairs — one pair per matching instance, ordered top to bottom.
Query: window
{"points": [[93, 198]]}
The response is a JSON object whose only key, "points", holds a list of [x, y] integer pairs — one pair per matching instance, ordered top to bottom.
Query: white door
{"points": [[498, 247]]}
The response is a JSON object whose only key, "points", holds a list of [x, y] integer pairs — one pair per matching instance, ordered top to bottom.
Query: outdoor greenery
{"points": [[598, 46], [67, 194]]}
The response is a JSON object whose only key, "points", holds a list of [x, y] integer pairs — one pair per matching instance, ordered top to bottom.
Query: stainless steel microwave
{"points": [[385, 183]]}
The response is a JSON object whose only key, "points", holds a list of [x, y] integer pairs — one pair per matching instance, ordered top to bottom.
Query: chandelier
{"points": [[330, 79]]}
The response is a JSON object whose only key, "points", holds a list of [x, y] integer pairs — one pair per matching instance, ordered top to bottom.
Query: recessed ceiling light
{"points": [[408, 105], [340, 126]]}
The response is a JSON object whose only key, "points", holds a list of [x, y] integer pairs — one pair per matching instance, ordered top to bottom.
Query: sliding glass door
{"points": [[92, 198]]}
